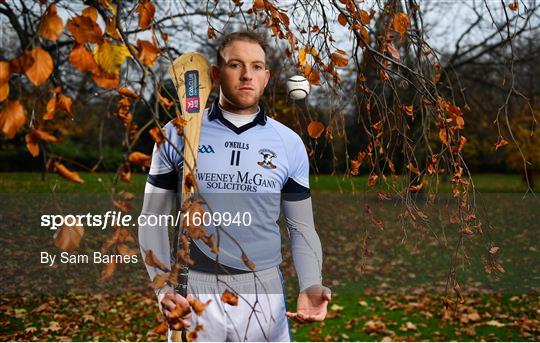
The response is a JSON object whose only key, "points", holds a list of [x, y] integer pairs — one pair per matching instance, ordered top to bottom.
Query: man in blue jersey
{"points": [[249, 166]]}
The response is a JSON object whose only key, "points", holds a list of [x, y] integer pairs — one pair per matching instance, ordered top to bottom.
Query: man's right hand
{"points": [[176, 309]]}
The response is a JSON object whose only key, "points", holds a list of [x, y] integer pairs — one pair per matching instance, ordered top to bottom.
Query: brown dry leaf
{"points": [[258, 4], [513, 5], [146, 10], [91, 13], [365, 17], [342, 20], [401, 23], [51, 25], [111, 29], [85, 30], [148, 52], [393, 52], [110, 56], [302, 56], [82, 58], [339, 60], [21, 63], [42, 67], [314, 77], [105, 80], [4, 91], [128, 92], [164, 101], [64, 103], [51, 108], [408, 110], [12, 117], [179, 123], [315, 129], [43, 135], [157, 135], [443, 136], [501, 142], [31, 145], [140, 159], [355, 167], [412, 168], [67, 174], [125, 175], [372, 180], [189, 184], [416, 188], [122, 205], [68, 238], [211, 242], [123, 249], [493, 250], [151, 260], [249, 263], [108, 271], [160, 280], [229, 298], [199, 307], [180, 311], [374, 326], [161, 329]]}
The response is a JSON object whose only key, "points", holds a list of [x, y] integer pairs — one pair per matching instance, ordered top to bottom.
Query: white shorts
{"points": [[259, 315]]}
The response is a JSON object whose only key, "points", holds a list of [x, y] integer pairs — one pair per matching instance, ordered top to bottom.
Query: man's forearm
{"points": [[305, 243]]}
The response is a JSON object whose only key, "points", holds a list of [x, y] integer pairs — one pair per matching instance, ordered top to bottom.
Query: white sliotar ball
{"points": [[297, 87]]}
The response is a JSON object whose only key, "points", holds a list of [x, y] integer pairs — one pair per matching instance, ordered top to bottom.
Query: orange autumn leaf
{"points": [[258, 4], [513, 5], [146, 10], [90, 12], [365, 17], [342, 19], [401, 23], [51, 25], [111, 29], [85, 30], [148, 52], [393, 52], [302, 56], [82, 58], [339, 60], [21, 63], [42, 67], [4, 72], [314, 77], [102, 79], [4, 91], [128, 92], [164, 101], [64, 103], [51, 108], [408, 109], [12, 117], [315, 129], [43, 135], [157, 135], [443, 136], [501, 142], [31, 145], [140, 159], [355, 167], [67, 174], [373, 180], [68, 238], [151, 260], [247, 262], [108, 271], [159, 281], [229, 297], [198, 306], [161, 329]]}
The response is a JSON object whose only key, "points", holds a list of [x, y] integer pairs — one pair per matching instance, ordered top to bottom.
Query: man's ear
{"points": [[214, 71], [266, 77]]}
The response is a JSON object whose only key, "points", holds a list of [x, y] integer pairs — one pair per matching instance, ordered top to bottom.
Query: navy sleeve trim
{"points": [[166, 181], [293, 191]]}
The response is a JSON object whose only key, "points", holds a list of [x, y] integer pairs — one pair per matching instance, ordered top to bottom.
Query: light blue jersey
{"points": [[249, 169]]}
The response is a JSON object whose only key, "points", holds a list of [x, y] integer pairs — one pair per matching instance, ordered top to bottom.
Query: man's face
{"points": [[242, 76]]}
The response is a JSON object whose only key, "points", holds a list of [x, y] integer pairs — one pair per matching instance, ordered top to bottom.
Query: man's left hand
{"points": [[311, 305]]}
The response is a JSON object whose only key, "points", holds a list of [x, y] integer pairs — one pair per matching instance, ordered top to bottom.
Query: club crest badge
{"points": [[192, 91], [267, 155]]}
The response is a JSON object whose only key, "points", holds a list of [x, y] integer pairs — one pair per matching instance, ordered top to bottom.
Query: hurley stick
{"points": [[190, 74]]}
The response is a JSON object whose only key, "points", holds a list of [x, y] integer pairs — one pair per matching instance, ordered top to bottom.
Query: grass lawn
{"points": [[388, 275]]}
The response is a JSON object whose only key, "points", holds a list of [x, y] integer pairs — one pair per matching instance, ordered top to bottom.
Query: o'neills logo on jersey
{"points": [[267, 155]]}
